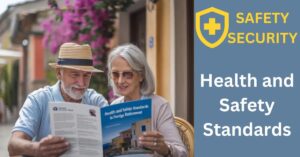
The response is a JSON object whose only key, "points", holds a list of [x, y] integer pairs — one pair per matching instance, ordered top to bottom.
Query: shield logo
{"points": [[212, 26]]}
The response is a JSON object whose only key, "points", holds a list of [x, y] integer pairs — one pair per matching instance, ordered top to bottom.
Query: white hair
{"points": [[137, 61]]}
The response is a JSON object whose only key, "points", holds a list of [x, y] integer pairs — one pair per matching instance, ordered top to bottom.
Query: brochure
{"points": [[122, 124], [80, 125], [109, 131]]}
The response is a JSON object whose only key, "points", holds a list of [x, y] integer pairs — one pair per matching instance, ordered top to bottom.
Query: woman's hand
{"points": [[154, 141]]}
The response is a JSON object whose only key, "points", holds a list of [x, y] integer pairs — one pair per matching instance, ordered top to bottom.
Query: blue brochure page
{"points": [[122, 125]]}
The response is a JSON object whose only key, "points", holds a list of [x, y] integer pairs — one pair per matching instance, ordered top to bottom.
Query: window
{"points": [[143, 128]]}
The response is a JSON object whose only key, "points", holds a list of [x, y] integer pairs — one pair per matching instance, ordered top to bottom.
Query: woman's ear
{"points": [[141, 78]]}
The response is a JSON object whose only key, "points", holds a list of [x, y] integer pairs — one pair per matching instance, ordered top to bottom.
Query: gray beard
{"points": [[69, 92]]}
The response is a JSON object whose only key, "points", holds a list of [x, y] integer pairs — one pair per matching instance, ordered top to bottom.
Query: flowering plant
{"points": [[84, 21]]}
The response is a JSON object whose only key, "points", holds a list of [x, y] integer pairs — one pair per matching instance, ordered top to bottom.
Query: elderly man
{"points": [[31, 133]]}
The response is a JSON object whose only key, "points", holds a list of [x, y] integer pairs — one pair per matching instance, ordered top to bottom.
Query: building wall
{"points": [[159, 46], [166, 47], [163, 49], [168, 58], [180, 58], [36, 69], [39, 72], [137, 126], [117, 142]]}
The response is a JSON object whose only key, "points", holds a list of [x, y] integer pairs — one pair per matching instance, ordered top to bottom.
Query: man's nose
{"points": [[81, 81]]}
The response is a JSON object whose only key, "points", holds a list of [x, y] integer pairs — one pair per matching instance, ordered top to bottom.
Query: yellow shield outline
{"points": [[225, 31]]}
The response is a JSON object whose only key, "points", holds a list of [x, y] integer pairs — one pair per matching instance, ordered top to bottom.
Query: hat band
{"points": [[82, 62]]}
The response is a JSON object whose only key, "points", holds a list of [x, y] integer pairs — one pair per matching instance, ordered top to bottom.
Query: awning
{"points": [[9, 55]]}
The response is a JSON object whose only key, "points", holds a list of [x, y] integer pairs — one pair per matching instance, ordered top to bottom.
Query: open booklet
{"points": [[109, 131]]}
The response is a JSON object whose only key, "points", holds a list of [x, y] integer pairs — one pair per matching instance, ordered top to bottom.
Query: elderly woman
{"points": [[131, 78]]}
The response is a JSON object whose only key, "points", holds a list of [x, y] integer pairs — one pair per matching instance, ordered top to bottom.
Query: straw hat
{"points": [[74, 56]]}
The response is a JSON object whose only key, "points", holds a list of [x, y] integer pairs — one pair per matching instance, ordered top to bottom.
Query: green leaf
{"points": [[100, 5]]}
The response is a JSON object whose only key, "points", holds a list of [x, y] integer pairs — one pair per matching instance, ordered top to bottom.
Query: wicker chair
{"points": [[186, 131]]}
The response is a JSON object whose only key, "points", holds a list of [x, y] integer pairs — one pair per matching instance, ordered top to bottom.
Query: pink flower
{"points": [[68, 4], [79, 4], [81, 22], [84, 37], [99, 42], [54, 46], [96, 60], [111, 96]]}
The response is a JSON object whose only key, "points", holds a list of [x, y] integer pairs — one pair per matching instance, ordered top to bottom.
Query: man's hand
{"points": [[51, 146]]}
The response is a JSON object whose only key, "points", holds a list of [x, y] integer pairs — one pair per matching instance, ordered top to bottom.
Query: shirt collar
{"points": [[56, 92], [141, 98]]}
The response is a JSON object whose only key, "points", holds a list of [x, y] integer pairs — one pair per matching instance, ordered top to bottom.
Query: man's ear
{"points": [[58, 73]]}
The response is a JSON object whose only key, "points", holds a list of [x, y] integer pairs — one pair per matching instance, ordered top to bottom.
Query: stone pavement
{"points": [[4, 136]]}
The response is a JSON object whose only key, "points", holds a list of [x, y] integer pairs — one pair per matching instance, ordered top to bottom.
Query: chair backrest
{"points": [[186, 131]]}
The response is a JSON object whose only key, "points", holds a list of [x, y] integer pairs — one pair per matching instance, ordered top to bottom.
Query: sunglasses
{"points": [[124, 74]]}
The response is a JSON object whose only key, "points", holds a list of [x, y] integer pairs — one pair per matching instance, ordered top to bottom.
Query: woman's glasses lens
{"points": [[125, 74]]}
